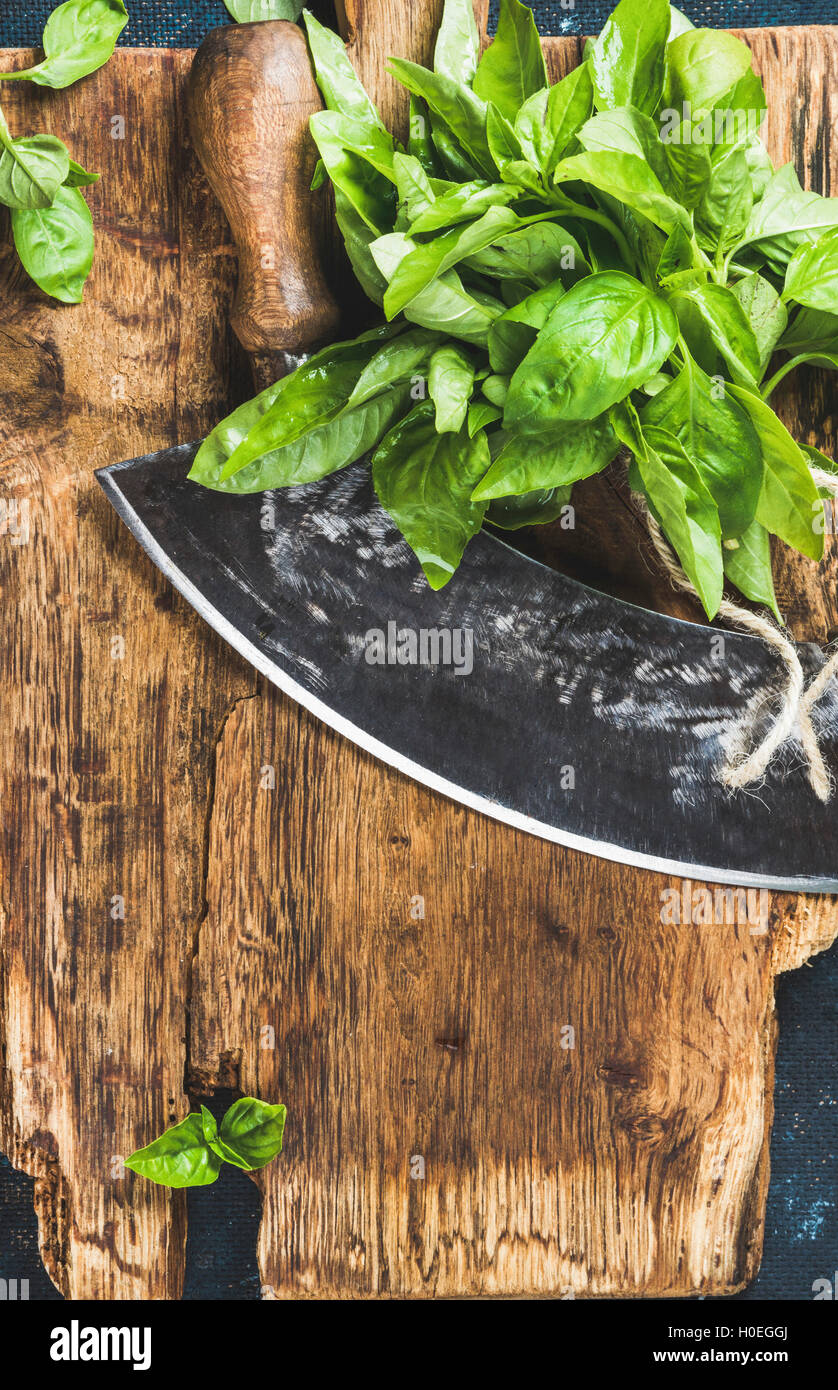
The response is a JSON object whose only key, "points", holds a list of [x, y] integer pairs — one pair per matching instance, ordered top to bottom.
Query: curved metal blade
{"points": [[583, 719]]}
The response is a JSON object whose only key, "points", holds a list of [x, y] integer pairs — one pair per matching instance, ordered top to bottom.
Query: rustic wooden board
{"points": [[271, 937]]}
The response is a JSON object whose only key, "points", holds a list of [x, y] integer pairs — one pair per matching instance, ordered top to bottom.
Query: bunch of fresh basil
{"points": [[39, 182], [565, 270], [191, 1153]]}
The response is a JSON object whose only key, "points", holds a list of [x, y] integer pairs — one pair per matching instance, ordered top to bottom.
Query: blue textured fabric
{"points": [[184, 22]]}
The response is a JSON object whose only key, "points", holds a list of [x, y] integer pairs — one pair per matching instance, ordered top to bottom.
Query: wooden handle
{"points": [[251, 93]]}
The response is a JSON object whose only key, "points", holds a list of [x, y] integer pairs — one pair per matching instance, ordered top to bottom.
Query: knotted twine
{"points": [[742, 769]]}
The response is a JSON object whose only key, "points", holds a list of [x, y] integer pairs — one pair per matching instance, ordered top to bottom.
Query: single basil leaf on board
{"points": [[251, 11], [78, 38], [458, 43], [628, 59], [701, 68], [512, 69], [338, 81], [461, 110], [625, 130], [32, 169], [77, 177], [627, 178], [464, 204], [722, 215], [786, 216], [55, 244], [536, 255], [426, 263], [812, 274], [765, 311], [729, 331], [513, 333], [605, 337], [450, 383], [310, 397], [480, 416], [719, 439], [554, 459], [424, 480], [789, 499], [538, 508], [685, 509], [749, 568], [254, 1131], [220, 1149], [179, 1158]]}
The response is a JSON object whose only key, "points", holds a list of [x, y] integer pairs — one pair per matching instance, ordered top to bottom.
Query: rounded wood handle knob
{"points": [[250, 95]]}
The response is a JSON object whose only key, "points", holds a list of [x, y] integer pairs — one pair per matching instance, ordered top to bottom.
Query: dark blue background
{"points": [[180, 22], [802, 1227]]}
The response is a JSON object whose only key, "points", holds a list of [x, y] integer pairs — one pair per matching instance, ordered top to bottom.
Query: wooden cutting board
{"points": [[504, 1074]]}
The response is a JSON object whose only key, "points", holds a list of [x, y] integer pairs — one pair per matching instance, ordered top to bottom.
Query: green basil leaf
{"points": [[253, 11], [680, 24], [79, 37], [458, 43], [627, 60], [702, 66], [512, 68], [338, 81], [455, 104], [551, 119], [625, 130], [420, 142], [450, 154], [689, 168], [32, 169], [362, 169], [78, 177], [627, 178], [416, 194], [464, 204], [723, 213], [787, 216], [358, 238], [55, 244], [537, 255], [676, 258], [424, 264], [812, 275], [445, 305], [765, 312], [811, 330], [513, 333], [730, 333], [605, 337], [398, 361], [450, 383], [496, 389], [312, 396], [480, 416], [719, 439], [324, 450], [556, 459], [424, 480], [788, 501], [532, 509], [686, 510], [749, 567], [254, 1131], [220, 1149], [179, 1158]]}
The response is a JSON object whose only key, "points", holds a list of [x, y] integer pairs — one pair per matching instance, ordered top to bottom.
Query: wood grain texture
{"points": [[106, 756], [271, 939], [634, 1162]]}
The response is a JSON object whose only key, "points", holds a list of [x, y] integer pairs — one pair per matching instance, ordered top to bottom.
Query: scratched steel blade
{"points": [[584, 720]]}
